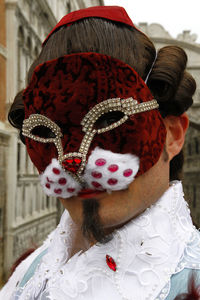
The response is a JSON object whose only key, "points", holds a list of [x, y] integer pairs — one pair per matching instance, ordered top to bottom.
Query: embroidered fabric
{"points": [[147, 251], [190, 260]]}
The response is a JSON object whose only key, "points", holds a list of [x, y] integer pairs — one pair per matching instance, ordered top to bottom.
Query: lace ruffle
{"points": [[147, 251]]}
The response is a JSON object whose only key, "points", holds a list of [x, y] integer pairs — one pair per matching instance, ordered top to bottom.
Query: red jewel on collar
{"points": [[72, 164], [111, 263]]}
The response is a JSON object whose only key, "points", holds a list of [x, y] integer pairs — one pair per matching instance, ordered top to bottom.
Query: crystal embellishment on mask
{"points": [[128, 106], [36, 120], [75, 162], [72, 164]]}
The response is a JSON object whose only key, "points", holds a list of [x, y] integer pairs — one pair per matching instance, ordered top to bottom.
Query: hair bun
{"points": [[170, 84]]}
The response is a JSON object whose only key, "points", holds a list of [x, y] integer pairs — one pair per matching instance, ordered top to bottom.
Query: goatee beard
{"points": [[92, 227]]}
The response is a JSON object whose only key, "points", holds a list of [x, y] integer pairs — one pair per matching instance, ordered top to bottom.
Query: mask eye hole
{"points": [[108, 119], [43, 132]]}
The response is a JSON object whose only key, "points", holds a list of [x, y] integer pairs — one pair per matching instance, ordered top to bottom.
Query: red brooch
{"points": [[72, 164], [111, 263]]}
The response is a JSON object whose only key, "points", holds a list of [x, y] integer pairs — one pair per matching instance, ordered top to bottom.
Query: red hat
{"points": [[114, 13]]}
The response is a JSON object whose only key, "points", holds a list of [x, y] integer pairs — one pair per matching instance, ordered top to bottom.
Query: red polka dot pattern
{"points": [[100, 162], [113, 168], [56, 171], [106, 171], [128, 172], [96, 174], [50, 181], [62, 181], [112, 181], [57, 182], [96, 184], [47, 185], [58, 191]]}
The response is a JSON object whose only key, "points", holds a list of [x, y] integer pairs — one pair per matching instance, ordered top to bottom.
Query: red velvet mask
{"points": [[83, 102]]}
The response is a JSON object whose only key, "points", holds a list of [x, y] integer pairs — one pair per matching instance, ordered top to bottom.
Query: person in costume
{"points": [[103, 119]]}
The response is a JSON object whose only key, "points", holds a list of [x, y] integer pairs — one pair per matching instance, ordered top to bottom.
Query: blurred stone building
{"points": [[191, 176], [26, 214]]}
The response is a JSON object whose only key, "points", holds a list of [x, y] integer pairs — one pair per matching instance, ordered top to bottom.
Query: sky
{"points": [[174, 15]]}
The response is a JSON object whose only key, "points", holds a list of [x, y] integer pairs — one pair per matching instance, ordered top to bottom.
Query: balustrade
{"points": [[31, 202]]}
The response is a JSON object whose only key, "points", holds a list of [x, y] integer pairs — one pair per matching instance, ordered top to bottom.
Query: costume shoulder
{"points": [[20, 271], [187, 278], [184, 282]]}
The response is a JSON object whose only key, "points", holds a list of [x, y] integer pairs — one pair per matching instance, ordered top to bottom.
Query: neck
{"points": [[79, 243]]}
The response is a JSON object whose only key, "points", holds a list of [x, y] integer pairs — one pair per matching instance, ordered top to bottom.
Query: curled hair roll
{"points": [[170, 84], [173, 87], [16, 114]]}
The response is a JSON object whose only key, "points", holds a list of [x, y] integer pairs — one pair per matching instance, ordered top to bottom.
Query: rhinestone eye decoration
{"points": [[128, 106], [37, 120], [74, 163]]}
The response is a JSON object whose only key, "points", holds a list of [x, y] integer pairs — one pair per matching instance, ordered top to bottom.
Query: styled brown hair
{"points": [[170, 84]]}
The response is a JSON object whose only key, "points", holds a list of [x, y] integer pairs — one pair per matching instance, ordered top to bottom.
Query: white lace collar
{"points": [[147, 251]]}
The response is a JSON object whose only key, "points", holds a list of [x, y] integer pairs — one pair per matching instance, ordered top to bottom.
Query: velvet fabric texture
{"points": [[113, 13], [65, 89]]}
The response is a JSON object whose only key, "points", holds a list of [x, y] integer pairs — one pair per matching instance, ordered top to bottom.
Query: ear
{"points": [[176, 127]]}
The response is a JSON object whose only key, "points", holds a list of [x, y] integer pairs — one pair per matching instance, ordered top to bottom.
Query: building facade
{"points": [[191, 174], [26, 214]]}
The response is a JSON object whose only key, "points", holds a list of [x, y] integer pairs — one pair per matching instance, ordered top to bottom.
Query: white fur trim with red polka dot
{"points": [[104, 170], [110, 171], [56, 182]]}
